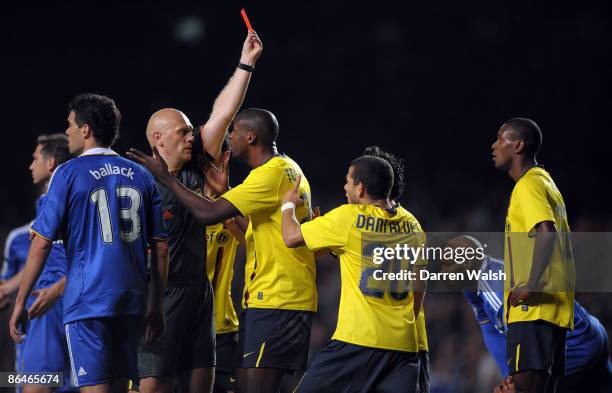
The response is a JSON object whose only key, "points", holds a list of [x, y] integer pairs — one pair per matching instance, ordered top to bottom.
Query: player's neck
{"points": [[90, 143], [260, 155], [520, 167], [382, 203]]}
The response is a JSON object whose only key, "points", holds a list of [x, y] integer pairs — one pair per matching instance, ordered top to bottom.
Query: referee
{"points": [[188, 343]]}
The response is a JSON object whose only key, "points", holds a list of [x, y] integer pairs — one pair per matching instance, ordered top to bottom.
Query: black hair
{"points": [[100, 113], [260, 121], [529, 132], [54, 146], [398, 166], [375, 174]]}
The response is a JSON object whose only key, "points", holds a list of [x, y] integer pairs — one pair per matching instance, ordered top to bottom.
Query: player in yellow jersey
{"points": [[399, 174], [222, 240], [539, 266], [279, 293], [375, 345]]}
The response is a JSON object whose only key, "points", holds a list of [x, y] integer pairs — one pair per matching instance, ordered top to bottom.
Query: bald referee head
{"points": [[171, 133]]}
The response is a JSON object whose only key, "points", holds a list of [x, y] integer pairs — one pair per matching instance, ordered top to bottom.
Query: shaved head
{"points": [[163, 120], [261, 122], [528, 131]]}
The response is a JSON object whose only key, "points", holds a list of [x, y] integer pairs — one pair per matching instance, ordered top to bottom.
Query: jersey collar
{"points": [[99, 151]]}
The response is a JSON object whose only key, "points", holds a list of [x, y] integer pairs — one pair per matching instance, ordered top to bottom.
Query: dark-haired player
{"points": [[399, 182], [106, 209], [222, 242], [539, 266], [279, 292], [188, 345], [375, 345], [45, 349], [587, 365]]}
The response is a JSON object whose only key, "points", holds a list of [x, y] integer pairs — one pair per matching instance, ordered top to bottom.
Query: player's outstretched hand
{"points": [[251, 49], [155, 163], [217, 178], [293, 194], [45, 299], [17, 318], [154, 320]]}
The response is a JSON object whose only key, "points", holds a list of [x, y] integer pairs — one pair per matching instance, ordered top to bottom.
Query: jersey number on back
{"points": [[129, 232], [396, 289]]}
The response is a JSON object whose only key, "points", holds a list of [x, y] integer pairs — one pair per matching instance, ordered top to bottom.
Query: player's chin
{"points": [[187, 154]]}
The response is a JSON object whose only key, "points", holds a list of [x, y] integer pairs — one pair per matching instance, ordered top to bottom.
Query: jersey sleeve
{"points": [[258, 192], [533, 201], [52, 210], [158, 230], [328, 231], [8, 263]]}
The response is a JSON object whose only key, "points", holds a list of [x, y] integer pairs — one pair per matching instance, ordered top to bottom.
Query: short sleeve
{"points": [[258, 192], [533, 202], [52, 210], [328, 231], [8, 264]]}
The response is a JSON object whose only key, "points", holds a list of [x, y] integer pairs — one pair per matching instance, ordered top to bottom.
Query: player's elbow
{"points": [[293, 239]]}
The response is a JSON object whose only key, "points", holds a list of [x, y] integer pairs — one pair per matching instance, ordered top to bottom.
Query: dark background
{"points": [[429, 81]]}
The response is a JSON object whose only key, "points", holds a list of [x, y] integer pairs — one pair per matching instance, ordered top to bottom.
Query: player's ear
{"points": [[87, 131], [251, 138], [157, 139], [519, 146], [51, 164], [361, 190]]}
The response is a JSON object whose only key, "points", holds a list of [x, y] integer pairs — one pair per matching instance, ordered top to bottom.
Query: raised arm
{"points": [[230, 99]]}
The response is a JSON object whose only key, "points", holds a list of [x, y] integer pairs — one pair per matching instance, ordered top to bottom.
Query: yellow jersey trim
{"points": [[261, 350]]}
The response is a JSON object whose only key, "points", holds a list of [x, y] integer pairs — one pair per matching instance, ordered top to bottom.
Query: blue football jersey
{"points": [[104, 208], [15, 251], [584, 343]]}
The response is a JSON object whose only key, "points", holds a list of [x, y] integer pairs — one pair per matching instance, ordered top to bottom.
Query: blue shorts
{"points": [[44, 346], [103, 349]]}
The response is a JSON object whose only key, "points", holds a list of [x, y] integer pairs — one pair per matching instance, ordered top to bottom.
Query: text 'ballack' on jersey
{"points": [[105, 208]]}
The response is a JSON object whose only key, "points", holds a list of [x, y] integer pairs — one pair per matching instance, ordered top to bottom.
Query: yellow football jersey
{"points": [[535, 199], [221, 248], [276, 276], [372, 313], [422, 331]]}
